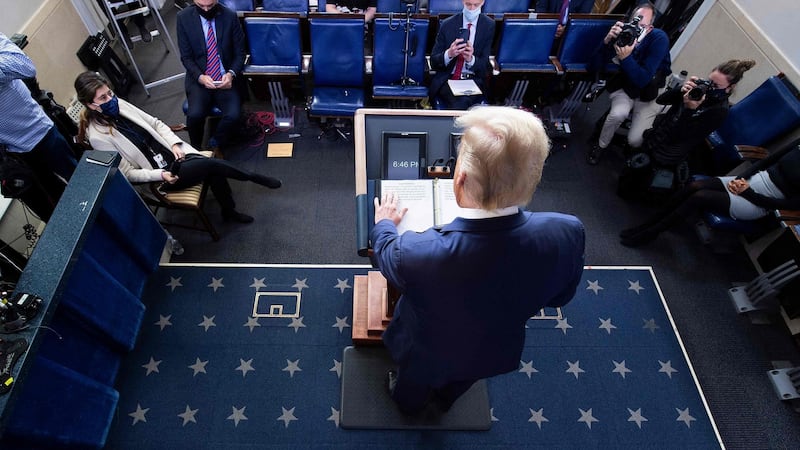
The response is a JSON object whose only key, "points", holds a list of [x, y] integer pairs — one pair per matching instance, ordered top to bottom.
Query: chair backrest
{"points": [[239, 5], [321, 5], [298, 6], [387, 6], [445, 6], [505, 6], [582, 38], [274, 43], [525, 44], [337, 51], [388, 59], [765, 114]]}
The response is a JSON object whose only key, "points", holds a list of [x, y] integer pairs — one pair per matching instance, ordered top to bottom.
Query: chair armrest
{"points": [[559, 68], [751, 152]]}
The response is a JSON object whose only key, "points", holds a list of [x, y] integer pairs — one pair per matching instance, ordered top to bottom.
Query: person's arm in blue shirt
{"points": [[14, 64]]}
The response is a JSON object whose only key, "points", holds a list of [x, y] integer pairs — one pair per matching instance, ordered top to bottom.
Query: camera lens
{"points": [[696, 93]]}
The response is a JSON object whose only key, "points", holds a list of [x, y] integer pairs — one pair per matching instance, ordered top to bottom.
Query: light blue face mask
{"points": [[472, 15]]}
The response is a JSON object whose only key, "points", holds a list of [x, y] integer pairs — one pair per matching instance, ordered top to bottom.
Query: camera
{"points": [[630, 32], [699, 91]]}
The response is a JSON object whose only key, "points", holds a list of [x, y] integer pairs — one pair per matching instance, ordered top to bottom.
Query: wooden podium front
{"points": [[373, 306]]}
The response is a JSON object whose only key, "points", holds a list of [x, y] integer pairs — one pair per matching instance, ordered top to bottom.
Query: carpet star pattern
{"points": [[342, 285], [609, 363]]}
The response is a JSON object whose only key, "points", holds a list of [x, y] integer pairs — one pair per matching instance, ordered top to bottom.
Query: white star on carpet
{"points": [[173, 283], [258, 283], [215, 284], [300, 285], [342, 285], [594, 286], [634, 286], [163, 322], [207, 322], [252, 322], [297, 323], [341, 324], [606, 324], [563, 325], [650, 325], [152, 366], [245, 366], [198, 367], [292, 367], [337, 367], [666, 367], [527, 368], [575, 368], [620, 368], [491, 414], [138, 415], [188, 415], [237, 415], [287, 416], [636, 416], [334, 417], [538, 417], [587, 417], [685, 417]]}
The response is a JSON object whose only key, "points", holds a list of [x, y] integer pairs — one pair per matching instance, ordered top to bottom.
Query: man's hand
{"points": [[613, 32], [457, 47], [624, 52], [207, 81], [227, 81], [387, 209]]}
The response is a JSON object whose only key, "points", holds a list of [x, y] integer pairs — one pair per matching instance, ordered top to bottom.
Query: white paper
{"points": [[464, 87], [417, 196], [448, 208]]}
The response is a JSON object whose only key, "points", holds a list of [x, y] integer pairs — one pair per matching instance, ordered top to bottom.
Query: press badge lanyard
{"points": [[131, 133]]}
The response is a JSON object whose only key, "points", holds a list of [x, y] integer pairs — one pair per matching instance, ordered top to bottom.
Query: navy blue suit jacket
{"points": [[554, 6], [448, 32], [192, 42], [469, 288]]}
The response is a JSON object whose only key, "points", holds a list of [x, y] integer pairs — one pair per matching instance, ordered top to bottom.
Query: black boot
{"points": [[272, 183], [235, 216]]}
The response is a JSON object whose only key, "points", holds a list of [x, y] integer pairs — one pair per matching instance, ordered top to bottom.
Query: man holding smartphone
{"points": [[212, 48], [461, 52]]}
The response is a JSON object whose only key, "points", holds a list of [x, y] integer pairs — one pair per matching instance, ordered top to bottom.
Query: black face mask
{"points": [[210, 14], [717, 94]]}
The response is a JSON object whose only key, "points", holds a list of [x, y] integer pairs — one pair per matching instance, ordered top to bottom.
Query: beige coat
{"points": [[134, 165]]}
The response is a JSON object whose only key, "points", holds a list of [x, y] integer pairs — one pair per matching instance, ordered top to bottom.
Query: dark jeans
{"points": [[201, 100], [50, 157]]}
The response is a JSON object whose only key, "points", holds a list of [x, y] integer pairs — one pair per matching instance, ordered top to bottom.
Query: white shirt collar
{"points": [[469, 213]]}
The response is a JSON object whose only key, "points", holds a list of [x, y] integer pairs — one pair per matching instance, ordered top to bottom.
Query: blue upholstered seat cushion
{"points": [[581, 40], [400, 91], [334, 101]]}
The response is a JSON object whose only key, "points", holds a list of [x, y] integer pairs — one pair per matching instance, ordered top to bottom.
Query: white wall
{"points": [[16, 13]]}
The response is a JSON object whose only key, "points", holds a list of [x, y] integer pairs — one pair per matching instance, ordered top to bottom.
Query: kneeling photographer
{"points": [[699, 107]]}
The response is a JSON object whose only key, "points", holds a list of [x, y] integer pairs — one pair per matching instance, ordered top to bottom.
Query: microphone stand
{"points": [[405, 80]]}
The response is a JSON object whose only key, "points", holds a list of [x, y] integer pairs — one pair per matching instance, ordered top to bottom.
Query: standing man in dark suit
{"points": [[212, 47], [454, 58], [469, 288]]}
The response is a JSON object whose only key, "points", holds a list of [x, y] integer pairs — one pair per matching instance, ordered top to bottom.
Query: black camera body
{"points": [[630, 32], [702, 85]]}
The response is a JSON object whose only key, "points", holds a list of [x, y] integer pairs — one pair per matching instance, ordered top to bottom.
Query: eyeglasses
{"points": [[100, 99]]}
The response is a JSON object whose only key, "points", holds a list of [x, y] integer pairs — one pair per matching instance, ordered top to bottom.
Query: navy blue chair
{"points": [[239, 5], [321, 5], [286, 6], [387, 6], [436, 7], [499, 7], [580, 41], [274, 45], [525, 45], [388, 60], [337, 66], [767, 113]]}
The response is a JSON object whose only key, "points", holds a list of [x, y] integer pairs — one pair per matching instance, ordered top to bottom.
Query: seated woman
{"points": [[693, 114], [150, 150], [772, 183]]}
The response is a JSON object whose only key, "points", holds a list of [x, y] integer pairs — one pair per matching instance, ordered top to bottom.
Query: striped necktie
{"points": [[460, 61], [213, 64]]}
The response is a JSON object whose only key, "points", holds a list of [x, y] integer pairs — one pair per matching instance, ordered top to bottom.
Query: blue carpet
{"points": [[610, 373]]}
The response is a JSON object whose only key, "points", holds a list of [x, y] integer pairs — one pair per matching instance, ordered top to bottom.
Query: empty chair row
{"points": [[383, 6]]}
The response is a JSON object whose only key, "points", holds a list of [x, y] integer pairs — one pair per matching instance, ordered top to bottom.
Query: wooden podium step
{"points": [[372, 309]]}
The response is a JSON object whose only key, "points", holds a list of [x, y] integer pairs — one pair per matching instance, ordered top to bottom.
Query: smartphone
{"points": [[463, 33], [217, 83], [102, 158]]}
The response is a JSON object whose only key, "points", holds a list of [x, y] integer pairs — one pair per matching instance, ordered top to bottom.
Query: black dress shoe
{"points": [[593, 156], [272, 183], [236, 216]]}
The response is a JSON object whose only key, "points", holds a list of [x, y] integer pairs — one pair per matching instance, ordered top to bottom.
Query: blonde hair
{"points": [[502, 152]]}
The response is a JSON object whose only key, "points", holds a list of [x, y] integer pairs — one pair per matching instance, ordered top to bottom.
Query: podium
{"points": [[374, 300]]}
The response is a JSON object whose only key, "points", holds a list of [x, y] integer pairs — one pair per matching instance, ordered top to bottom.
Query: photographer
{"points": [[642, 53], [699, 107]]}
